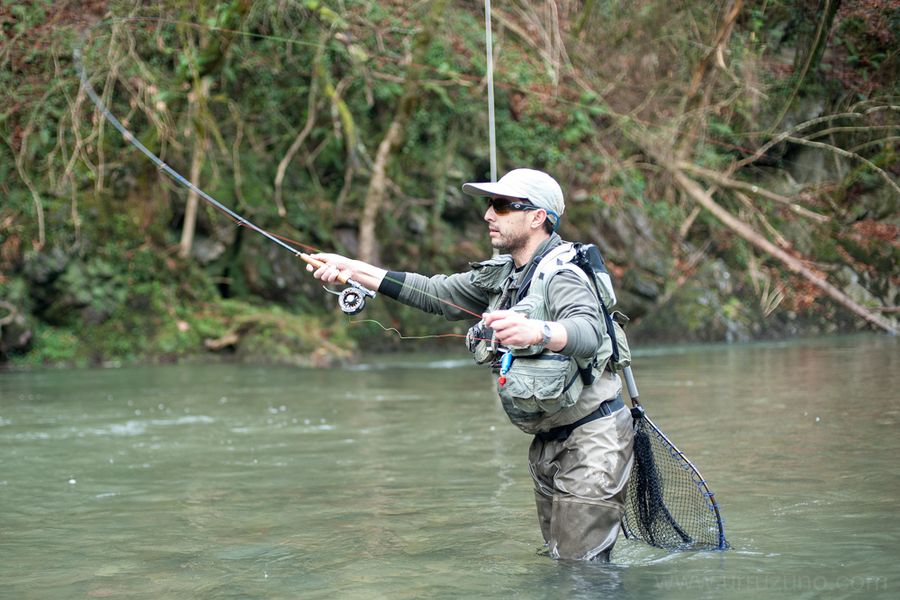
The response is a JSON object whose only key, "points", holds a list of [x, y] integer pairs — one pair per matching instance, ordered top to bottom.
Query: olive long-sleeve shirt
{"points": [[570, 302]]}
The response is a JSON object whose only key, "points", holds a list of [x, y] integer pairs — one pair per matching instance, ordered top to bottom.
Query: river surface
{"points": [[402, 478]]}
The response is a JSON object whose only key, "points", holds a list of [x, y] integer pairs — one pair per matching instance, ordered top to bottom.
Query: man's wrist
{"points": [[545, 332]]}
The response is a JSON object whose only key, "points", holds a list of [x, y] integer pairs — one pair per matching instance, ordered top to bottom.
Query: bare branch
{"points": [[715, 53], [814, 53], [114, 59], [703, 80], [197, 105], [802, 126], [832, 130], [885, 140], [295, 146], [235, 151], [884, 174], [727, 182], [375, 194], [35, 196], [688, 222], [776, 235], [794, 264], [11, 313]]}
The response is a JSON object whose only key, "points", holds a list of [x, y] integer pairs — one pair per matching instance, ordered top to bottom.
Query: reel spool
{"points": [[351, 301]]}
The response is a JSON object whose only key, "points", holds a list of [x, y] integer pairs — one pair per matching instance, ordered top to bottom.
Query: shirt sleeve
{"points": [[453, 296], [574, 304]]}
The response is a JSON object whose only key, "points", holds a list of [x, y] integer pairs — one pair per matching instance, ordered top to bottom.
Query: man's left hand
{"points": [[514, 329]]}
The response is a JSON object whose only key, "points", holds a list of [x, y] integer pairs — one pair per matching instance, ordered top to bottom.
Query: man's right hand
{"points": [[333, 267], [336, 268]]}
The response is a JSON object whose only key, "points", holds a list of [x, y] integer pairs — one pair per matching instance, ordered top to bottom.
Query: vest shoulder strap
{"points": [[558, 259], [585, 261]]}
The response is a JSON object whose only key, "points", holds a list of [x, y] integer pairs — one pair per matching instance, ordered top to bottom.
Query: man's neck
{"points": [[526, 252]]}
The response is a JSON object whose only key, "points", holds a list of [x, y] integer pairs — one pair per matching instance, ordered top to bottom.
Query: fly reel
{"points": [[352, 299]]}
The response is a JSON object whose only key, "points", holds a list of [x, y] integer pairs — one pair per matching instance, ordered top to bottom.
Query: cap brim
{"points": [[489, 188]]}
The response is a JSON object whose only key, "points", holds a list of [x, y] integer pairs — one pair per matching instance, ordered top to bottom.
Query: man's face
{"points": [[508, 227]]}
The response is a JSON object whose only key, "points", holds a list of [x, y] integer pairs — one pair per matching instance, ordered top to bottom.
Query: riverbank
{"points": [[236, 332]]}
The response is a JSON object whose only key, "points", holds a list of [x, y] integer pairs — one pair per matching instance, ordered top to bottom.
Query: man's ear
{"points": [[537, 221]]}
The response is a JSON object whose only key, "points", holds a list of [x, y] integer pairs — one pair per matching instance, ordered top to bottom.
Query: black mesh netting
{"points": [[668, 504]]}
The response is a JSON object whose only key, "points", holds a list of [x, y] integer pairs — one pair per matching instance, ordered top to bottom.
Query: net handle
{"points": [[631, 385]]}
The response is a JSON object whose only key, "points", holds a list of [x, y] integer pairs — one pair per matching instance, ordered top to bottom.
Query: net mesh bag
{"points": [[668, 504]]}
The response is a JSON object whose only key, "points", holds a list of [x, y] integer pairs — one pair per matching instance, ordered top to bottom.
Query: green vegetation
{"points": [[278, 110]]}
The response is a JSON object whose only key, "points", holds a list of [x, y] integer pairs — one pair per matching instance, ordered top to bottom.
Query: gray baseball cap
{"points": [[526, 184]]}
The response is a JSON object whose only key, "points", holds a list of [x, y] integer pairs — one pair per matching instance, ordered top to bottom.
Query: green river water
{"points": [[402, 478]]}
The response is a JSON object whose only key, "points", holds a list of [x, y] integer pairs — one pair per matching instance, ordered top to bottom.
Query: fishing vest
{"points": [[535, 382]]}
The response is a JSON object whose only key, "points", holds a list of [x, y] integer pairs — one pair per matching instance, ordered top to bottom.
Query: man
{"points": [[534, 308]]}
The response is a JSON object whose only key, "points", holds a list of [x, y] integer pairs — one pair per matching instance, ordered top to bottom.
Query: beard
{"points": [[509, 243]]}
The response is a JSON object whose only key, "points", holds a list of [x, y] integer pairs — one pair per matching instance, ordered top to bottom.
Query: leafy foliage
{"points": [[300, 96]]}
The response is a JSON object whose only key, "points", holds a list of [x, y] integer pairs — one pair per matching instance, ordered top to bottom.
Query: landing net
{"points": [[668, 503]]}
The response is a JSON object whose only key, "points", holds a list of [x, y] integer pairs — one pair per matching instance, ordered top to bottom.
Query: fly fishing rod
{"points": [[351, 299]]}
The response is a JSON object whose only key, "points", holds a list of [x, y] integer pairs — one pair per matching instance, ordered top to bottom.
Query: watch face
{"points": [[547, 333]]}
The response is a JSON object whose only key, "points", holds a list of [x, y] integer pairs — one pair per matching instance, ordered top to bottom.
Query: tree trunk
{"points": [[211, 57], [198, 99], [376, 192], [374, 200]]}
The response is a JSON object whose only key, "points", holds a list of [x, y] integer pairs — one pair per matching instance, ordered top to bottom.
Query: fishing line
{"points": [[412, 337]]}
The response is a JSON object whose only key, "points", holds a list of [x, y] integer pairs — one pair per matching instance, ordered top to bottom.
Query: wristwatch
{"points": [[547, 333]]}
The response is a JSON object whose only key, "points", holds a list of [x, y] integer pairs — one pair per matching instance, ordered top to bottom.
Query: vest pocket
{"points": [[542, 384]]}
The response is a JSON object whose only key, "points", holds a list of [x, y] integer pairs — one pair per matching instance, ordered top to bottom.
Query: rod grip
{"points": [[319, 264]]}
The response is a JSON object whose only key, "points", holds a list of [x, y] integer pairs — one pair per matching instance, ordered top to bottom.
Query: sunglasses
{"points": [[504, 206]]}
